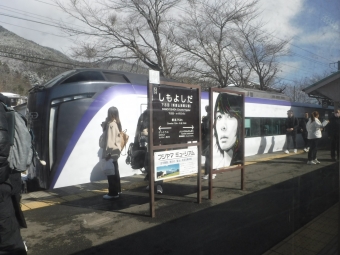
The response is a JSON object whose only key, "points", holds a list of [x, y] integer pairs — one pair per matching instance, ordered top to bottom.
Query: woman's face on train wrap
{"points": [[226, 129]]}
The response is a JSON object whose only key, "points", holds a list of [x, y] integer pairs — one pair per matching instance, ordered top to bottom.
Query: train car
{"points": [[16, 99], [66, 113], [265, 116]]}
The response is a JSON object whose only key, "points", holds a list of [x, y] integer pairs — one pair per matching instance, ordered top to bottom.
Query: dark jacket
{"points": [[291, 122], [302, 124], [333, 126], [205, 131], [4, 146], [11, 216]]}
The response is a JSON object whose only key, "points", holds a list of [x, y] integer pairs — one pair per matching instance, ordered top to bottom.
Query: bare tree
{"points": [[134, 30], [204, 36], [260, 51], [241, 74], [294, 90], [295, 93]]}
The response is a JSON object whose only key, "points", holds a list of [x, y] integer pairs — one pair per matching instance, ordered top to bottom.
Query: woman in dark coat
{"points": [[11, 216]]}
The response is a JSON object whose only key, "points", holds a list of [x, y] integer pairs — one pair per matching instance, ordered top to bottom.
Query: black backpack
{"points": [[136, 156]]}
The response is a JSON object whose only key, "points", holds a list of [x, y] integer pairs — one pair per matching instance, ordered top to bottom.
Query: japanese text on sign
{"points": [[174, 163]]}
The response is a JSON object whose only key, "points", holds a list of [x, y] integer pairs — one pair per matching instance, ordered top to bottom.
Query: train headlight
{"points": [[80, 97], [70, 98], [57, 101]]}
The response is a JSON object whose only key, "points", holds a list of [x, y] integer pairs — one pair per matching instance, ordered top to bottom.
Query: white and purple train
{"points": [[65, 115]]}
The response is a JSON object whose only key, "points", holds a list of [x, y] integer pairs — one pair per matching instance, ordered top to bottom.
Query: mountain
{"points": [[13, 42], [24, 63]]}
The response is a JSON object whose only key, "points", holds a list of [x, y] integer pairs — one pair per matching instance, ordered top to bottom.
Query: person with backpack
{"points": [[141, 140], [111, 150], [11, 216]]}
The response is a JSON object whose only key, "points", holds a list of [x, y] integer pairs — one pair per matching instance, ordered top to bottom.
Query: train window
{"points": [[85, 76], [115, 77], [55, 80], [276, 126], [255, 127]]}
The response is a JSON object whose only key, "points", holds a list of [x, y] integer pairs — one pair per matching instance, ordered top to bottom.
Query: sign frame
{"points": [[242, 138], [152, 148]]}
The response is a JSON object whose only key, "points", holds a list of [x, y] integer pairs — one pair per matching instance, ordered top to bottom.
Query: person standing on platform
{"points": [[291, 125], [314, 127], [112, 128], [304, 132], [333, 133], [141, 138], [11, 216]]}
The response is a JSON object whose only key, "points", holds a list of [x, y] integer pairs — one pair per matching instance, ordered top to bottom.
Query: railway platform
{"points": [[288, 207]]}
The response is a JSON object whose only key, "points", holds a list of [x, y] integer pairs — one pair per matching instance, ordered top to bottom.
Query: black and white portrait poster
{"points": [[228, 125]]}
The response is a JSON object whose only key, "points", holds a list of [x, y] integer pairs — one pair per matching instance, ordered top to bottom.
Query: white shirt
{"points": [[313, 128]]}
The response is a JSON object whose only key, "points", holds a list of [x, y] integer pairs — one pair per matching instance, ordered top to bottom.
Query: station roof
{"points": [[327, 88]]}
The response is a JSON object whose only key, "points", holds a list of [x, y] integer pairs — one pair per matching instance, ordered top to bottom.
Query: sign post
{"points": [[175, 139]]}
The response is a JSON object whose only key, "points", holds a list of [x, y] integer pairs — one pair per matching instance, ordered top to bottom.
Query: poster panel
{"points": [[228, 126], [175, 163]]}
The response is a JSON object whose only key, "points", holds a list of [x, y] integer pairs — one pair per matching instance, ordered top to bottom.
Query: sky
{"points": [[311, 26]]}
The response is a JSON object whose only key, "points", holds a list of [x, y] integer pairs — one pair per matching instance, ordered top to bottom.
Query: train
{"points": [[15, 99], [65, 115]]}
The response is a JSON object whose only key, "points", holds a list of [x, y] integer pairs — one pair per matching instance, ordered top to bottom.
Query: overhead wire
{"points": [[46, 3], [11, 16], [41, 17], [33, 29], [44, 59], [30, 61]]}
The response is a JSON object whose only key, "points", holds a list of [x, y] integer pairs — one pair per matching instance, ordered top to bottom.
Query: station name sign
{"points": [[176, 114]]}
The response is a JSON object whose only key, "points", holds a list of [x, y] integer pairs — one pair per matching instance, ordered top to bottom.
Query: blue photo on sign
{"points": [[167, 171]]}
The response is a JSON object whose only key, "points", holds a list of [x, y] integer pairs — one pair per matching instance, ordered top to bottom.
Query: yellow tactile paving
{"points": [[283, 155], [100, 191], [53, 201], [43, 202], [36, 204], [24, 207]]}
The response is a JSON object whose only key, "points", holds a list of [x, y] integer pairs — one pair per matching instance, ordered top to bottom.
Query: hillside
{"points": [[24, 63]]}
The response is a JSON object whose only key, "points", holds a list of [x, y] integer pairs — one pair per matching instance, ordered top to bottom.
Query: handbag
{"points": [[124, 139], [107, 166]]}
